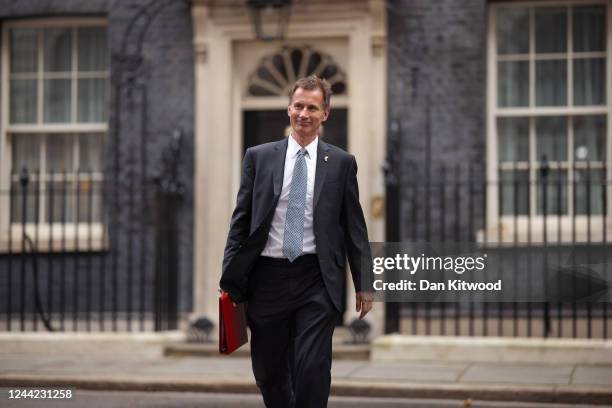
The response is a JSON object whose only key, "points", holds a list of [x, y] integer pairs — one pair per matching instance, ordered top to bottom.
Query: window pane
{"points": [[551, 29], [512, 30], [589, 33], [58, 49], [93, 49], [24, 56], [590, 81], [513, 83], [551, 83], [57, 100], [92, 100], [23, 101], [551, 138], [590, 138], [513, 140], [25, 152], [91, 152], [60, 153], [590, 187], [552, 190], [514, 192], [89, 200], [60, 203]]}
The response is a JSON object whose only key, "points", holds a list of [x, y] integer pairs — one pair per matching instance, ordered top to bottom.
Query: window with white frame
{"points": [[55, 105], [548, 108]]}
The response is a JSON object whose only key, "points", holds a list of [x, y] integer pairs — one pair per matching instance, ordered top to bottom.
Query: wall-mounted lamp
{"points": [[270, 18]]}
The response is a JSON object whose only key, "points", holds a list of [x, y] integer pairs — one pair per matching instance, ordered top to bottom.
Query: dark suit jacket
{"points": [[338, 224]]}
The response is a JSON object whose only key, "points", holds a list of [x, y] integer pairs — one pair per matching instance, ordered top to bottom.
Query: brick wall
{"points": [[437, 105]]}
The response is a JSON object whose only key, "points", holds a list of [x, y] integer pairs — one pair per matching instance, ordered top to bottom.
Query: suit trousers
{"points": [[292, 320]]}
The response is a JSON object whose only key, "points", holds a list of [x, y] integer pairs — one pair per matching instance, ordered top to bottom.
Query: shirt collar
{"points": [[293, 148]]}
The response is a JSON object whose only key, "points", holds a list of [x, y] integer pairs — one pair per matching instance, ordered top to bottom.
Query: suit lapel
{"points": [[277, 161], [279, 166], [321, 172]]}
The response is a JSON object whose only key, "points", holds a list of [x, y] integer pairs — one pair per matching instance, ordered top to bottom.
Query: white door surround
{"points": [[353, 31]]}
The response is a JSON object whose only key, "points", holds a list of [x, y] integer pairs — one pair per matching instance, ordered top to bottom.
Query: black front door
{"points": [[262, 126]]}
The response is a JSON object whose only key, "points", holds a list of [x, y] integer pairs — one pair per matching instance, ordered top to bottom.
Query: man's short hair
{"points": [[310, 83]]}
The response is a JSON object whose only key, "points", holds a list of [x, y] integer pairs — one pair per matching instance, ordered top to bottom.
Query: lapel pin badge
{"points": [[325, 158]]}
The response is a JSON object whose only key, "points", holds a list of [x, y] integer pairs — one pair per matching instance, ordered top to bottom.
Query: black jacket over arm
{"points": [[339, 226]]}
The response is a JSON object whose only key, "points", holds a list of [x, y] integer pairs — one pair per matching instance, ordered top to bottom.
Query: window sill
{"points": [[534, 231], [55, 239]]}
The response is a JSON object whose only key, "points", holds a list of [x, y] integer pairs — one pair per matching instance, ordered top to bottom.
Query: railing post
{"points": [[544, 172], [24, 180], [168, 194], [392, 212]]}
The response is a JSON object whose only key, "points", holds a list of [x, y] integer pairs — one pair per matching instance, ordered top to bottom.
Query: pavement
{"points": [[356, 377], [169, 399]]}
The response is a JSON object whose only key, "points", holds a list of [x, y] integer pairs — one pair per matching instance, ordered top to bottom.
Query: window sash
{"points": [[571, 65], [76, 77], [37, 126], [50, 188], [495, 212]]}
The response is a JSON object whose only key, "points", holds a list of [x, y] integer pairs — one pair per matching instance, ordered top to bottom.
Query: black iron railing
{"points": [[522, 210], [60, 266]]}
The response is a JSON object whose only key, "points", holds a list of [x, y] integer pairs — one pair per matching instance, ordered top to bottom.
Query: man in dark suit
{"points": [[297, 218]]}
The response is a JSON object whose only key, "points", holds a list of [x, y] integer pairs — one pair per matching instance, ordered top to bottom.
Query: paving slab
{"points": [[339, 351], [344, 368], [410, 372], [517, 374], [585, 375]]}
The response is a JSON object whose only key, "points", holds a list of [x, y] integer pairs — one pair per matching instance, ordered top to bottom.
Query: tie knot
{"points": [[302, 152]]}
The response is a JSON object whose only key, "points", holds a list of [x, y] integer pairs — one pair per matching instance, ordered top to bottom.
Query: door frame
{"points": [[218, 27], [239, 84]]}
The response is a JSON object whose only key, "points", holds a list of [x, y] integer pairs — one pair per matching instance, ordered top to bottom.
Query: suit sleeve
{"points": [[355, 232], [233, 281]]}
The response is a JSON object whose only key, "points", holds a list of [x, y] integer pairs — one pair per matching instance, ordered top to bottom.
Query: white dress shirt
{"points": [[274, 245]]}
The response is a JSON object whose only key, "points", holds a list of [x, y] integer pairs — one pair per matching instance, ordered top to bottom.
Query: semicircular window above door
{"points": [[276, 73]]}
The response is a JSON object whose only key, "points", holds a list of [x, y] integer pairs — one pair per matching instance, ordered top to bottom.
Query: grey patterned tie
{"points": [[294, 225]]}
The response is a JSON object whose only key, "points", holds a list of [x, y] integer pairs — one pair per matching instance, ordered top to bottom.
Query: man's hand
{"points": [[221, 292], [363, 303]]}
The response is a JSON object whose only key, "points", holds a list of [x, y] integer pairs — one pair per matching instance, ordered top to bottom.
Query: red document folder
{"points": [[232, 325]]}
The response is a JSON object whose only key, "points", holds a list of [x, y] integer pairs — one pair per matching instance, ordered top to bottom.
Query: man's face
{"points": [[306, 111]]}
